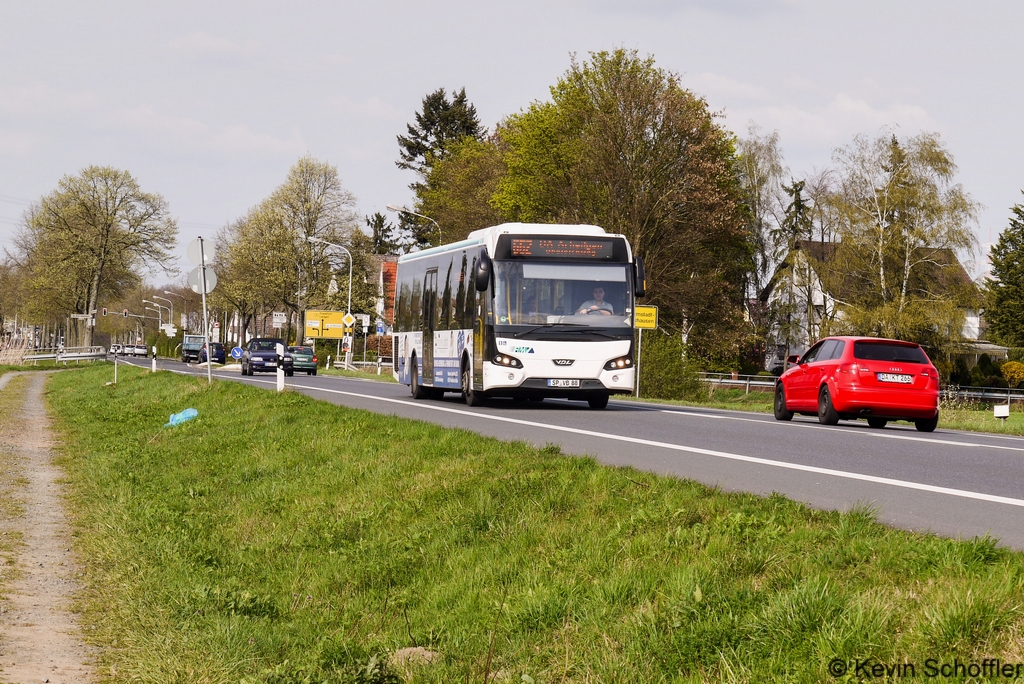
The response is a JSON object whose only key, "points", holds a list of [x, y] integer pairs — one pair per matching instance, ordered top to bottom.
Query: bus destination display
{"points": [[576, 249]]}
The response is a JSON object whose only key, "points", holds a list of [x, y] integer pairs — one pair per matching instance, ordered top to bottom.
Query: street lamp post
{"points": [[403, 210], [158, 309], [348, 310], [170, 316], [184, 328]]}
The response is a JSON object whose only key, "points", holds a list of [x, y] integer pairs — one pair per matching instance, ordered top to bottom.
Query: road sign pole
{"points": [[206, 318], [639, 347]]}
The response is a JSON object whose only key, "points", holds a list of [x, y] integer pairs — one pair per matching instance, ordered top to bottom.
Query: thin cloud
{"points": [[200, 43], [723, 88], [40, 97], [372, 107], [835, 122], [195, 134]]}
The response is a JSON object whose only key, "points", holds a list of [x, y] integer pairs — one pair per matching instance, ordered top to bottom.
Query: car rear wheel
{"points": [[826, 411], [781, 413], [877, 423], [928, 425]]}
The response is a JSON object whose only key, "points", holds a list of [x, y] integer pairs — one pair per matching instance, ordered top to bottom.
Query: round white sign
{"points": [[195, 280]]}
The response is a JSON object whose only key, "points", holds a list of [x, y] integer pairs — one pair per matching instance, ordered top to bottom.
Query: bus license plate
{"points": [[896, 377], [561, 382]]}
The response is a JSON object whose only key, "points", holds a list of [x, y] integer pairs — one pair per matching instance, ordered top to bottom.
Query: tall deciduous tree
{"points": [[623, 145], [761, 173], [459, 188], [904, 222], [93, 236], [1004, 301]]}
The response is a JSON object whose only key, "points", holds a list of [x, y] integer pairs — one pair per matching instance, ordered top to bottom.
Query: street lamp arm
{"points": [[403, 210], [321, 241]]}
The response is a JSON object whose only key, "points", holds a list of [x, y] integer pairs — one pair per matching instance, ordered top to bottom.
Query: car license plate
{"points": [[271, 363], [896, 377], [561, 382]]}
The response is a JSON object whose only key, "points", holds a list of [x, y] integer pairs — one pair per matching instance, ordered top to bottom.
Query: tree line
{"points": [[732, 239]]}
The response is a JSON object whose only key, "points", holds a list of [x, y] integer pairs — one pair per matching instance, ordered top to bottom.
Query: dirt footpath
{"points": [[39, 637]]}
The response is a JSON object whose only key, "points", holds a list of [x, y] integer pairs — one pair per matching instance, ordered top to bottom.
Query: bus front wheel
{"points": [[470, 396], [598, 401]]}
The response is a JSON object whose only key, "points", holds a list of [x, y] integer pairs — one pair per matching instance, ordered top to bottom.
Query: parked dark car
{"points": [[218, 353], [260, 355], [303, 359], [846, 378]]}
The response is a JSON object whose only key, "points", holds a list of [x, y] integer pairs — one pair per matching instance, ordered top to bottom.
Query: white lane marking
{"points": [[863, 433], [905, 484]]}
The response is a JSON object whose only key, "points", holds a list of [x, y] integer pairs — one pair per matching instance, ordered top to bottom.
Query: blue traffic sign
{"points": [[380, 327], [236, 353]]}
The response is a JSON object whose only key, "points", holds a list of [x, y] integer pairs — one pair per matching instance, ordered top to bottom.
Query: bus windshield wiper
{"points": [[551, 325], [576, 328]]}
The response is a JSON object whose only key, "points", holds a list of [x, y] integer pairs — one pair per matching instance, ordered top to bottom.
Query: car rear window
{"points": [[301, 350], [884, 351]]}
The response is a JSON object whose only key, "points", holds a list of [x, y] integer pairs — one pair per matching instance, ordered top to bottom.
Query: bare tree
{"points": [[93, 236]]}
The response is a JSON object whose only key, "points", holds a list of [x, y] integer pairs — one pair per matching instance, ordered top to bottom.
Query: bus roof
{"points": [[489, 236]]}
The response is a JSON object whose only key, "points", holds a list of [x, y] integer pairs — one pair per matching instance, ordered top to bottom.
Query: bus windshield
{"points": [[596, 295]]}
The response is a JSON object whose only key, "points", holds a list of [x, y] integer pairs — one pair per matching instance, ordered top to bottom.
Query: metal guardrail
{"points": [[66, 354], [760, 383], [763, 383], [984, 394]]}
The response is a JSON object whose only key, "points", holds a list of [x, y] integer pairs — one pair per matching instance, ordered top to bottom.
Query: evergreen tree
{"points": [[441, 123], [386, 238], [1004, 308]]}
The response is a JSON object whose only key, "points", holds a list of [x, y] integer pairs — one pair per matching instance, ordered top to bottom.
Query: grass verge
{"points": [[280, 539]]}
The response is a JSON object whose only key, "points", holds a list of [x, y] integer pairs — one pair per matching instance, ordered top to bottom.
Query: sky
{"points": [[210, 103]]}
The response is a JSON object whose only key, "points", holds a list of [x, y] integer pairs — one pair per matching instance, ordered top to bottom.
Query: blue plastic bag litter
{"points": [[179, 418]]}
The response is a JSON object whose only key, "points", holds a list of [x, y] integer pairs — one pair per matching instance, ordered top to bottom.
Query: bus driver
{"points": [[597, 305]]}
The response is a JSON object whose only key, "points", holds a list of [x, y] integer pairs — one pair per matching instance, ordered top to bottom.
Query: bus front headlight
{"points": [[507, 361], [621, 363]]}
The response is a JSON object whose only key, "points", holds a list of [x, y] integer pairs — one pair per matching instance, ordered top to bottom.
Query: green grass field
{"points": [[280, 539]]}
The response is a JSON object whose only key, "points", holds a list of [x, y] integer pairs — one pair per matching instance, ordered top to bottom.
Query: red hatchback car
{"points": [[846, 378]]}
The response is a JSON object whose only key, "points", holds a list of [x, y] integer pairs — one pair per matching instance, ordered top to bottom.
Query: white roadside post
{"points": [[154, 361], [280, 367]]}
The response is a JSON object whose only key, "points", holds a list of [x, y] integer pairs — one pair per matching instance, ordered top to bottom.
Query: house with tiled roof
{"points": [[806, 291]]}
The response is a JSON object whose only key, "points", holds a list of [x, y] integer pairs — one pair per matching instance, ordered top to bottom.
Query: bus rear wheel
{"points": [[418, 391], [471, 396]]}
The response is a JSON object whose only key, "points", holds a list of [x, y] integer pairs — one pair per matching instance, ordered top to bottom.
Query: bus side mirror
{"points": [[482, 277], [640, 286]]}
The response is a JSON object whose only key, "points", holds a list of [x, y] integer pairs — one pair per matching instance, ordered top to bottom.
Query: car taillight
{"points": [[314, 359], [849, 368], [930, 373]]}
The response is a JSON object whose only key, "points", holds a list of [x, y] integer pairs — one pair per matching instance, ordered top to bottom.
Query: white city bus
{"points": [[519, 310]]}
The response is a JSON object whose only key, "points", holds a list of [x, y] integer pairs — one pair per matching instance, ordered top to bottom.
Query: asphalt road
{"points": [[957, 484]]}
